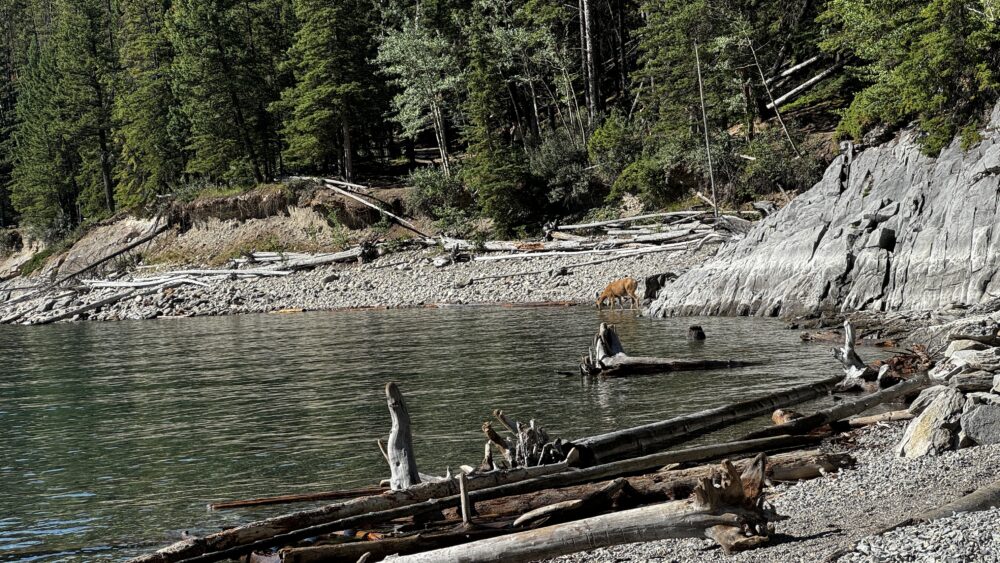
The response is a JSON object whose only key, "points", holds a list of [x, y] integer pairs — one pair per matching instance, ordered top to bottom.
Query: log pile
{"points": [[544, 497]]}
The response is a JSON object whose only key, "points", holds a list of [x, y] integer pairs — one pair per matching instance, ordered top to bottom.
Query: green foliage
{"points": [[937, 62], [334, 80], [150, 129], [612, 147], [560, 165], [774, 167], [504, 190]]}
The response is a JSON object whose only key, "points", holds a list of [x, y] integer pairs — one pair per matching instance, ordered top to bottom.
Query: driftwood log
{"points": [[607, 358], [842, 410], [639, 440], [402, 462], [431, 497], [289, 499], [728, 508]]}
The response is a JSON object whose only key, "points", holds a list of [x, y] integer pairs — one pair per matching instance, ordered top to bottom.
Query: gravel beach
{"points": [[403, 279], [838, 517]]}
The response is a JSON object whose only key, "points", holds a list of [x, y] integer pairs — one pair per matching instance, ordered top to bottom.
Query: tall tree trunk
{"points": [[584, 67], [591, 67], [441, 138], [348, 152], [109, 188]]}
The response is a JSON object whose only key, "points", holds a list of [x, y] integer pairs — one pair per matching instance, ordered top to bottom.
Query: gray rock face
{"points": [[831, 248], [962, 345], [925, 398], [982, 424], [935, 430]]}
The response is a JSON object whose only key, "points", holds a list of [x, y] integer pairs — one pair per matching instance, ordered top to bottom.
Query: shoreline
{"points": [[407, 279], [841, 516]]}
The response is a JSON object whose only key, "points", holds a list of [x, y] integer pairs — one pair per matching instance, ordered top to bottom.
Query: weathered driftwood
{"points": [[332, 184], [626, 220], [676, 247], [349, 255], [88, 307], [607, 358], [856, 371], [842, 410], [890, 416], [652, 437], [402, 462], [669, 484], [431, 497], [289, 499], [598, 499], [726, 508], [337, 512], [351, 552]]}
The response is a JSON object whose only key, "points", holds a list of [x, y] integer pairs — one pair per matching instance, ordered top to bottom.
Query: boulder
{"points": [[960, 345], [988, 359], [972, 381], [925, 398], [979, 398], [982, 424], [936, 429]]}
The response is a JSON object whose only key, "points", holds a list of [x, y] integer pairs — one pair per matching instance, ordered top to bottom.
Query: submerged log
{"points": [[607, 358], [842, 410], [658, 435], [288, 499], [726, 508]]}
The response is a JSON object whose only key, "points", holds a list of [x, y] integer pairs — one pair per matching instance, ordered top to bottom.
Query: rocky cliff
{"points": [[887, 228]]}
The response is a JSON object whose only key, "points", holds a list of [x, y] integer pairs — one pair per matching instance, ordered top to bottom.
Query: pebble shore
{"points": [[404, 279], [839, 517]]}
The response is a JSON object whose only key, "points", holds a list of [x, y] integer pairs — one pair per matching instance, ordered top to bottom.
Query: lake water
{"points": [[114, 436]]}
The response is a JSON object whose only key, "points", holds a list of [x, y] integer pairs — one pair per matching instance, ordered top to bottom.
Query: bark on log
{"points": [[596, 224], [95, 305], [607, 358], [856, 371], [841, 410], [884, 417], [402, 462], [670, 484], [288, 499], [723, 508], [282, 530], [241, 539], [351, 552]]}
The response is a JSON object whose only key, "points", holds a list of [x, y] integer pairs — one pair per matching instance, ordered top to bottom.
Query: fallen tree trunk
{"points": [[802, 87], [628, 220], [323, 259], [101, 303], [607, 358], [841, 410], [890, 416], [670, 484], [430, 497], [288, 499], [724, 508], [351, 552]]}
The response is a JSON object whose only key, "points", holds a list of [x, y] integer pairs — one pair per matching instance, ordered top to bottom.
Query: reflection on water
{"points": [[114, 436]]}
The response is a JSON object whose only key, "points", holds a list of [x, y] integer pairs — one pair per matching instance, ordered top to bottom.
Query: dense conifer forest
{"points": [[513, 110]]}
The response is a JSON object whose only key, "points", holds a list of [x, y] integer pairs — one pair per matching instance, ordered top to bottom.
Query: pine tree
{"points": [[85, 55], [937, 62], [226, 76], [336, 92], [150, 130], [44, 189]]}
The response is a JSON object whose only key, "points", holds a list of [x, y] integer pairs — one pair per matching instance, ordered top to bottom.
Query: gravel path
{"points": [[405, 279], [836, 512]]}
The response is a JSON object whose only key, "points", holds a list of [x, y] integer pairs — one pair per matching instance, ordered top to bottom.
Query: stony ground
{"points": [[404, 279], [838, 517]]}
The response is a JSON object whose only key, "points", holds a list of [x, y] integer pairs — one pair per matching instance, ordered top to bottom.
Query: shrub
{"points": [[612, 147], [561, 165]]}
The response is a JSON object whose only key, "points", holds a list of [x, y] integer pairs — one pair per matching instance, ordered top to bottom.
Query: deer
{"points": [[623, 288]]}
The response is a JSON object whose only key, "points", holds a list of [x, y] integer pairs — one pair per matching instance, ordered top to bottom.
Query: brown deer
{"points": [[619, 289]]}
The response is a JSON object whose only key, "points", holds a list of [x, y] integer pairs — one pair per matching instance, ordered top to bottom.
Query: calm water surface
{"points": [[114, 436]]}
